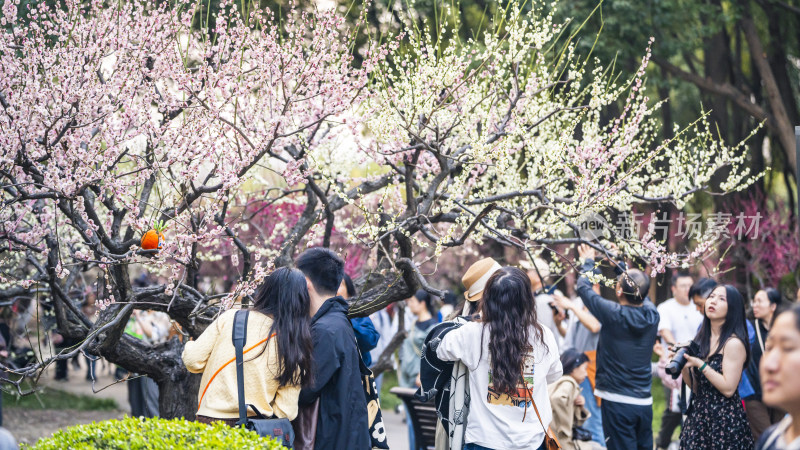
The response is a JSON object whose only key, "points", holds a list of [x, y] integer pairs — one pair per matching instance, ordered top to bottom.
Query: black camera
{"points": [[557, 312], [679, 360]]}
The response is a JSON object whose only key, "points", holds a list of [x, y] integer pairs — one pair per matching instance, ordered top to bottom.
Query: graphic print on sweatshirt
{"points": [[523, 397]]}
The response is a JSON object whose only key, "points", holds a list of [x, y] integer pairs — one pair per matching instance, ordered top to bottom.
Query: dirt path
{"points": [[29, 425]]}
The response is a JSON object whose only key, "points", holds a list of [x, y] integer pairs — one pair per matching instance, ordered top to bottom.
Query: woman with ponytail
{"points": [[277, 358], [511, 360]]}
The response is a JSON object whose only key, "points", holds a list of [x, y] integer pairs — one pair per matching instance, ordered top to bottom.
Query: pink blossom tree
{"points": [[117, 116]]}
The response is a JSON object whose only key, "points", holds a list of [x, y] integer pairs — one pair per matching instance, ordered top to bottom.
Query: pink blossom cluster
{"points": [[116, 115]]}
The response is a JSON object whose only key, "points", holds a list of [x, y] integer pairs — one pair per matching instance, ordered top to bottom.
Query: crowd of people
{"points": [[517, 364]]}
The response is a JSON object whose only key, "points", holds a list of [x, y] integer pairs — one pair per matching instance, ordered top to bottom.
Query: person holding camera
{"points": [[547, 313], [628, 331], [583, 333], [713, 367], [569, 406]]}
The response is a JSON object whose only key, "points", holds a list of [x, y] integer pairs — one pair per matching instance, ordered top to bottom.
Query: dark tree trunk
{"points": [[717, 67], [178, 389], [177, 396]]}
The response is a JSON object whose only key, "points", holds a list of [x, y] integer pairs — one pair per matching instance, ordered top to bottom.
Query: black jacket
{"points": [[626, 341], [755, 357], [342, 421]]}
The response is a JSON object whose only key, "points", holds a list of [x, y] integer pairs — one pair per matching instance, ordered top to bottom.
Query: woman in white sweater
{"points": [[277, 356], [511, 360]]}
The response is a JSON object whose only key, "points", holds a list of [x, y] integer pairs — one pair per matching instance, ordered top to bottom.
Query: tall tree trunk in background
{"points": [[778, 61], [717, 66], [718, 69], [783, 124], [662, 282]]}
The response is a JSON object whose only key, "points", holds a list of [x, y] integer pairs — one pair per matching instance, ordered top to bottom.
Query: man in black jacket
{"points": [[623, 355], [342, 422]]}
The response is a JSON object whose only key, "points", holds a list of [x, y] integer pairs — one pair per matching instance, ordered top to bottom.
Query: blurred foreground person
{"points": [[767, 304], [780, 381]]}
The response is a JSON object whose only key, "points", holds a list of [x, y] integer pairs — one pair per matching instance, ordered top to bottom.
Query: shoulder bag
{"points": [[279, 429], [377, 429], [550, 441]]}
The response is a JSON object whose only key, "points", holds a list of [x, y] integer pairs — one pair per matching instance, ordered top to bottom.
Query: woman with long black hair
{"points": [[277, 358], [511, 360], [716, 418]]}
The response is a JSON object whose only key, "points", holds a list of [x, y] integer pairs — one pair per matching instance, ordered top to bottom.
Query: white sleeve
{"points": [[461, 345], [555, 370]]}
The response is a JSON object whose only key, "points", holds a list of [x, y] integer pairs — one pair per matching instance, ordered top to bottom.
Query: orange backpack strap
{"points": [[226, 365]]}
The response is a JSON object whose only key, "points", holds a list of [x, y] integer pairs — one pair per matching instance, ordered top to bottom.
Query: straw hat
{"points": [[542, 265], [476, 277]]}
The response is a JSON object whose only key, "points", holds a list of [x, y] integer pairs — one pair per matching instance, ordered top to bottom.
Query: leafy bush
{"points": [[133, 433]]}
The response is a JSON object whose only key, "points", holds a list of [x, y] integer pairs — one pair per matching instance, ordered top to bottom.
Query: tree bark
{"points": [[783, 125], [177, 388]]}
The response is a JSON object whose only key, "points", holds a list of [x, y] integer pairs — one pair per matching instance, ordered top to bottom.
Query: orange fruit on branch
{"points": [[153, 239]]}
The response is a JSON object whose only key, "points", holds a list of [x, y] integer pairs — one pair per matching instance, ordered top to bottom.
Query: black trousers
{"points": [[143, 397], [669, 422], [627, 427]]}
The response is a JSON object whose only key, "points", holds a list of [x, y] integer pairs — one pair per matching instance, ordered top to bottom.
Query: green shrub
{"points": [[133, 433]]}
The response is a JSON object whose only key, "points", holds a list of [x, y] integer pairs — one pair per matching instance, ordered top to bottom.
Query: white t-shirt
{"points": [[544, 314], [682, 320], [386, 328], [495, 420]]}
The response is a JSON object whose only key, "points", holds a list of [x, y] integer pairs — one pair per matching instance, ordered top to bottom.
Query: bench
{"points": [[422, 416]]}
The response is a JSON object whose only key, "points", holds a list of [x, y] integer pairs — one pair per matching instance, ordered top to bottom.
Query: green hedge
{"points": [[134, 433]]}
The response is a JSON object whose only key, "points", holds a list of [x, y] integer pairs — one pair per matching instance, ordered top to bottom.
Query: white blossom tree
{"points": [[117, 116]]}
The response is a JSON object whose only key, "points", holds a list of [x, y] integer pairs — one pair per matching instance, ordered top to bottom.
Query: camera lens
{"points": [[677, 364]]}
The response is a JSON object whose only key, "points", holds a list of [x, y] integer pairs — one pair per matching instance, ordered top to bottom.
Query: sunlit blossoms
{"points": [[515, 120]]}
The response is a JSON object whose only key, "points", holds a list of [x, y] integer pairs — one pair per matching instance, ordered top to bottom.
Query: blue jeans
{"points": [[594, 423]]}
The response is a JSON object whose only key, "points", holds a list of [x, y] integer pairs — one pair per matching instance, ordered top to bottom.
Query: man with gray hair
{"points": [[629, 330]]}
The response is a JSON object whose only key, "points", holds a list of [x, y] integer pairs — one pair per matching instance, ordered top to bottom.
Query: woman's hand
{"points": [[584, 251], [562, 302], [56, 338], [658, 349], [693, 361], [580, 401]]}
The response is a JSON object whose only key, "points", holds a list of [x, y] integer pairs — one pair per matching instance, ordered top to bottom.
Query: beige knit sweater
{"points": [[215, 347]]}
